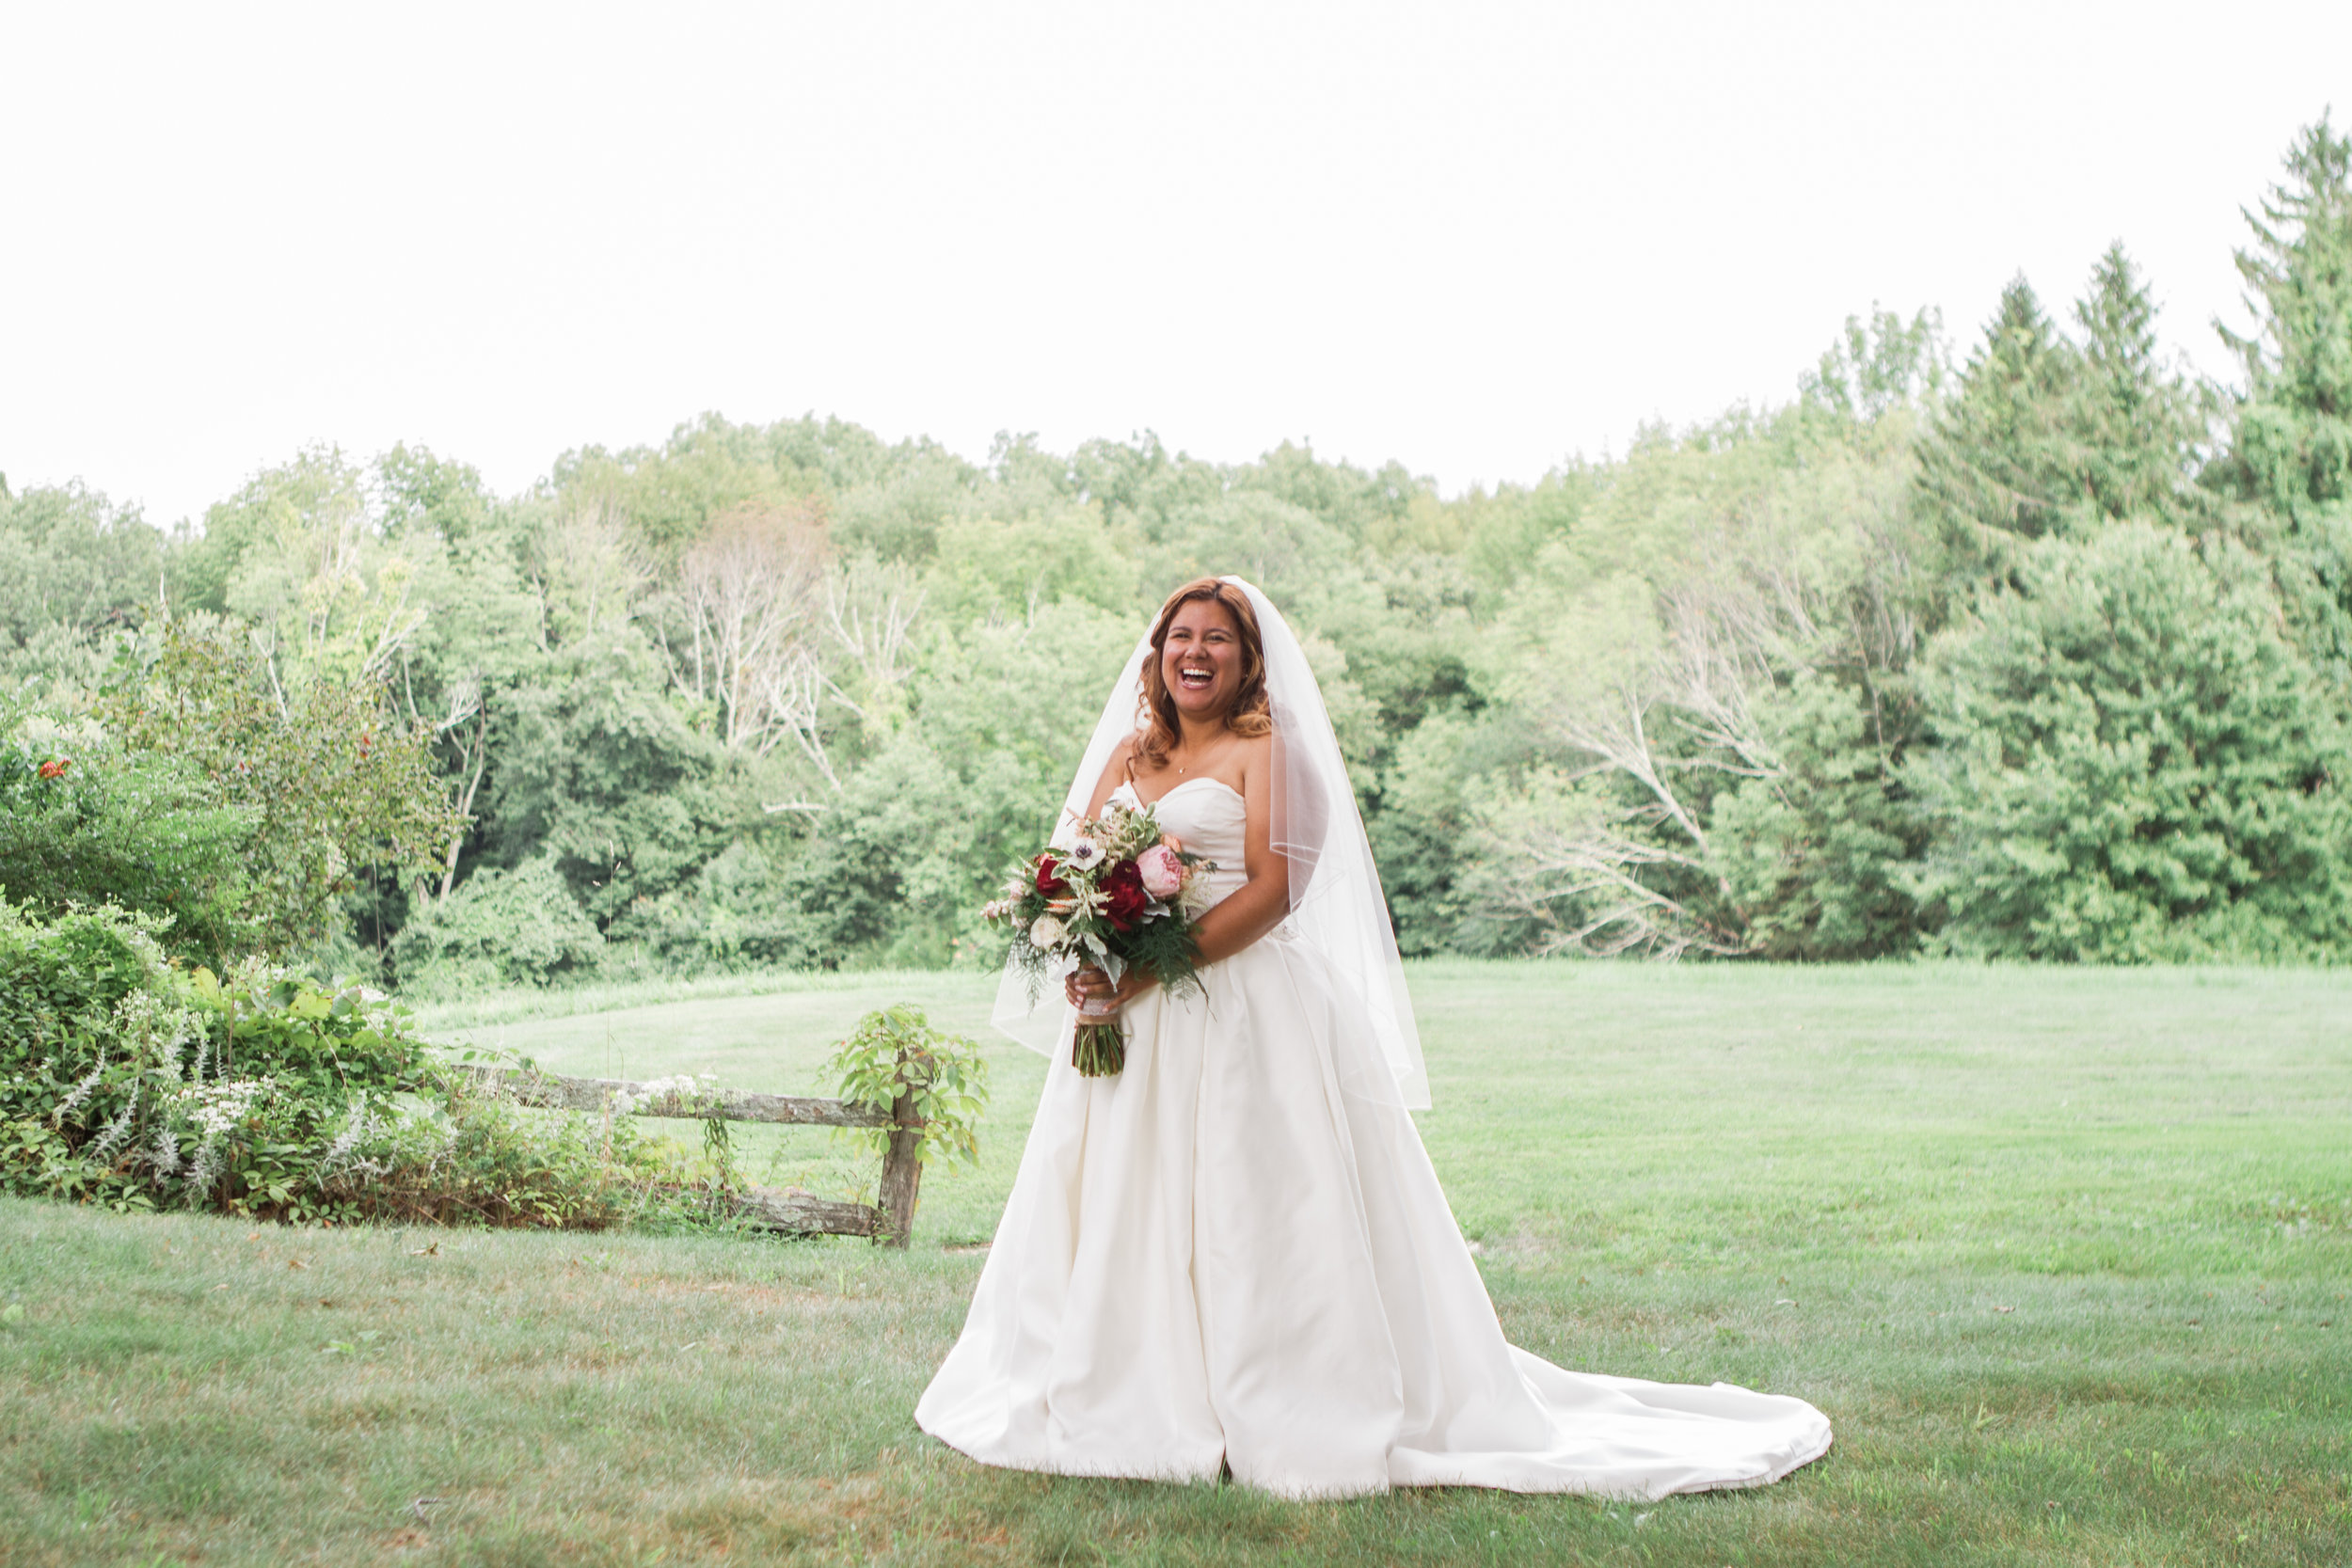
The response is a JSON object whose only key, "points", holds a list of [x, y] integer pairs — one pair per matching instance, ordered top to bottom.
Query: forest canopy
{"points": [[2038, 648]]}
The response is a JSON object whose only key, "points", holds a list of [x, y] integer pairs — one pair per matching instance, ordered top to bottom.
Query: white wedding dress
{"points": [[1225, 1256]]}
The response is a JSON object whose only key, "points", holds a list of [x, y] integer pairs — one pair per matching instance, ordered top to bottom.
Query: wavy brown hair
{"points": [[1249, 714]]}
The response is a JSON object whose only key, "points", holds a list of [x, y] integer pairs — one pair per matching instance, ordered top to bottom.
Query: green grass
{"points": [[2063, 1254]]}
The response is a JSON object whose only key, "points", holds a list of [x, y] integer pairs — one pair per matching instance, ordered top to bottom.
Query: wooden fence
{"points": [[792, 1210]]}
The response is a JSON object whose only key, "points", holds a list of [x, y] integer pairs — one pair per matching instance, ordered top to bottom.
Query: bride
{"points": [[1234, 1254]]}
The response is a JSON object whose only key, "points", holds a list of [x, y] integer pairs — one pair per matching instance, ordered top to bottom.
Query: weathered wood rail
{"points": [[786, 1209]]}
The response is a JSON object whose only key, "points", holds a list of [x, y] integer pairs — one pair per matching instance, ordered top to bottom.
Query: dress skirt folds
{"points": [[1228, 1255]]}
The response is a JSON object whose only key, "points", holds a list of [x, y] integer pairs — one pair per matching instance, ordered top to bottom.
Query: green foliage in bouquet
{"points": [[1119, 896], [894, 1052]]}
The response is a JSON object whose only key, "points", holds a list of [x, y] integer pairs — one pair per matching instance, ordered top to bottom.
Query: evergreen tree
{"points": [[2138, 424], [2291, 452], [2004, 456], [2132, 763]]}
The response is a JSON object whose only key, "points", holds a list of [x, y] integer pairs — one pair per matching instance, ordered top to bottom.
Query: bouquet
{"points": [[1120, 896]]}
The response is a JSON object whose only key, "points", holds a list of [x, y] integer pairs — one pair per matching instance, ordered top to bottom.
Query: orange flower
{"points": [[55, 767]]}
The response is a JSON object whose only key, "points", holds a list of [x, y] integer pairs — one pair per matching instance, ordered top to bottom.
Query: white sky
{"points": [[1476, 237]]}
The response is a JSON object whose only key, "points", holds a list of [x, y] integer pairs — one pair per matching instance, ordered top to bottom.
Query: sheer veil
{"points": [[1337, 908]]}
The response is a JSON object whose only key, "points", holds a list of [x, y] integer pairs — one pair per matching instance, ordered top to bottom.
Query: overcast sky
{"points": [[1476, 239]]}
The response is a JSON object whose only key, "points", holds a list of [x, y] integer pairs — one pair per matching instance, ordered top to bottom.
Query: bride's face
{"points": [[1201, 660]]}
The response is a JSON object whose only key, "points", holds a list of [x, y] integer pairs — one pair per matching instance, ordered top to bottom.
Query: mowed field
{"points": [[2065, 1255]]}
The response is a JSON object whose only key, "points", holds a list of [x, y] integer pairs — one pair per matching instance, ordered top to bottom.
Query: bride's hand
{"points": [[1090, 991]]}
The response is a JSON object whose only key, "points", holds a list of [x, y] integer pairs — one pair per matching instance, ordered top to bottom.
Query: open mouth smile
{"points": [[1196, 680]]}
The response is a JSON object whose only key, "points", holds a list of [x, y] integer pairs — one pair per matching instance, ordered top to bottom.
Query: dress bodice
{"points": [[1212, 820]]}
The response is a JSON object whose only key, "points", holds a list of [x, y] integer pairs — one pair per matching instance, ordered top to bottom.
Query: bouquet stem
{"points": [[1099, 1050]]}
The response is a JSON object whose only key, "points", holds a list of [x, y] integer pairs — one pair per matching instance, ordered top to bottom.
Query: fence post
{"points": [[902, 1168]]}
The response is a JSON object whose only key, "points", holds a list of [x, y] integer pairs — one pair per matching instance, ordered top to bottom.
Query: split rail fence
{"points": [[785, 1210]]}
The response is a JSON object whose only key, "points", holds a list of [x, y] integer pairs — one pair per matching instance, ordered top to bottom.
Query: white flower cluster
{"points": [[1196, 895], [153, 1028], [684, 1087], [81, 1091], [216, 1109], [360, 1126], [116, 1130]]}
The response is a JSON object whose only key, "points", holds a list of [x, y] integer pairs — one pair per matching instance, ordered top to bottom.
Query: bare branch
{"points": [[751, 593]]}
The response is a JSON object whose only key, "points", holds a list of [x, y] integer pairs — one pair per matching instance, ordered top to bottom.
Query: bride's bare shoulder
{"points": [[1115, 772]]}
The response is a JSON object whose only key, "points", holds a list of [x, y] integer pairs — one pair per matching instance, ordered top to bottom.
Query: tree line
{"points": [[2040, 650]]}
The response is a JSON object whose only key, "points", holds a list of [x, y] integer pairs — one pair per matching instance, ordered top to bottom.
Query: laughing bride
{"points": [[1234, 1254]]}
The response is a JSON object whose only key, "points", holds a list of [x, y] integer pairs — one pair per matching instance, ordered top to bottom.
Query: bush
{"points": [[2133, 764], [324, 777], [85, 822], [732, 916], [497, 929], [895, 1050], [128, 1082]]}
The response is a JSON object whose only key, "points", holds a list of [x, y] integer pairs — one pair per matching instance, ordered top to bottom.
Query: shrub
{"points": [[2132, 764], [326, 779], [85, 822], [733, 915], [517, 928], [895, 1050], [128, 1082]]}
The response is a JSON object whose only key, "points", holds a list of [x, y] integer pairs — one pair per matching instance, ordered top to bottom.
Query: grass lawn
{"points": [[2065, 1256]]}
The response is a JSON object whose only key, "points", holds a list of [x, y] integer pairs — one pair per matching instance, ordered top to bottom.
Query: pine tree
{"points": [[2136, 422], [2295, 430], [2291, 451], [2003, 457]]}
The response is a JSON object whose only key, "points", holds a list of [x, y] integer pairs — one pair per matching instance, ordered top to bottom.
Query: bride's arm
{"points": [[1258, 906]]}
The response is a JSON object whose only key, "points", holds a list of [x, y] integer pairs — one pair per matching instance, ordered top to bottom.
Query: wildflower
{"points": [[81, 1091], [116, 1130], [202, 1172]]}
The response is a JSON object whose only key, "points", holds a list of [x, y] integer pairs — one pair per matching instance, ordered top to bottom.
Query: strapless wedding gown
{"points": [[1219, 1258]]}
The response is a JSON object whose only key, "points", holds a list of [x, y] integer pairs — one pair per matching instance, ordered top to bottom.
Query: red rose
{"points": [[1047, 883], [1125, 898]]}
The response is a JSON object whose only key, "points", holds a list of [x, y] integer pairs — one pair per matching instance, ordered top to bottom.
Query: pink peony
{"points": [[1162, 873]]}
